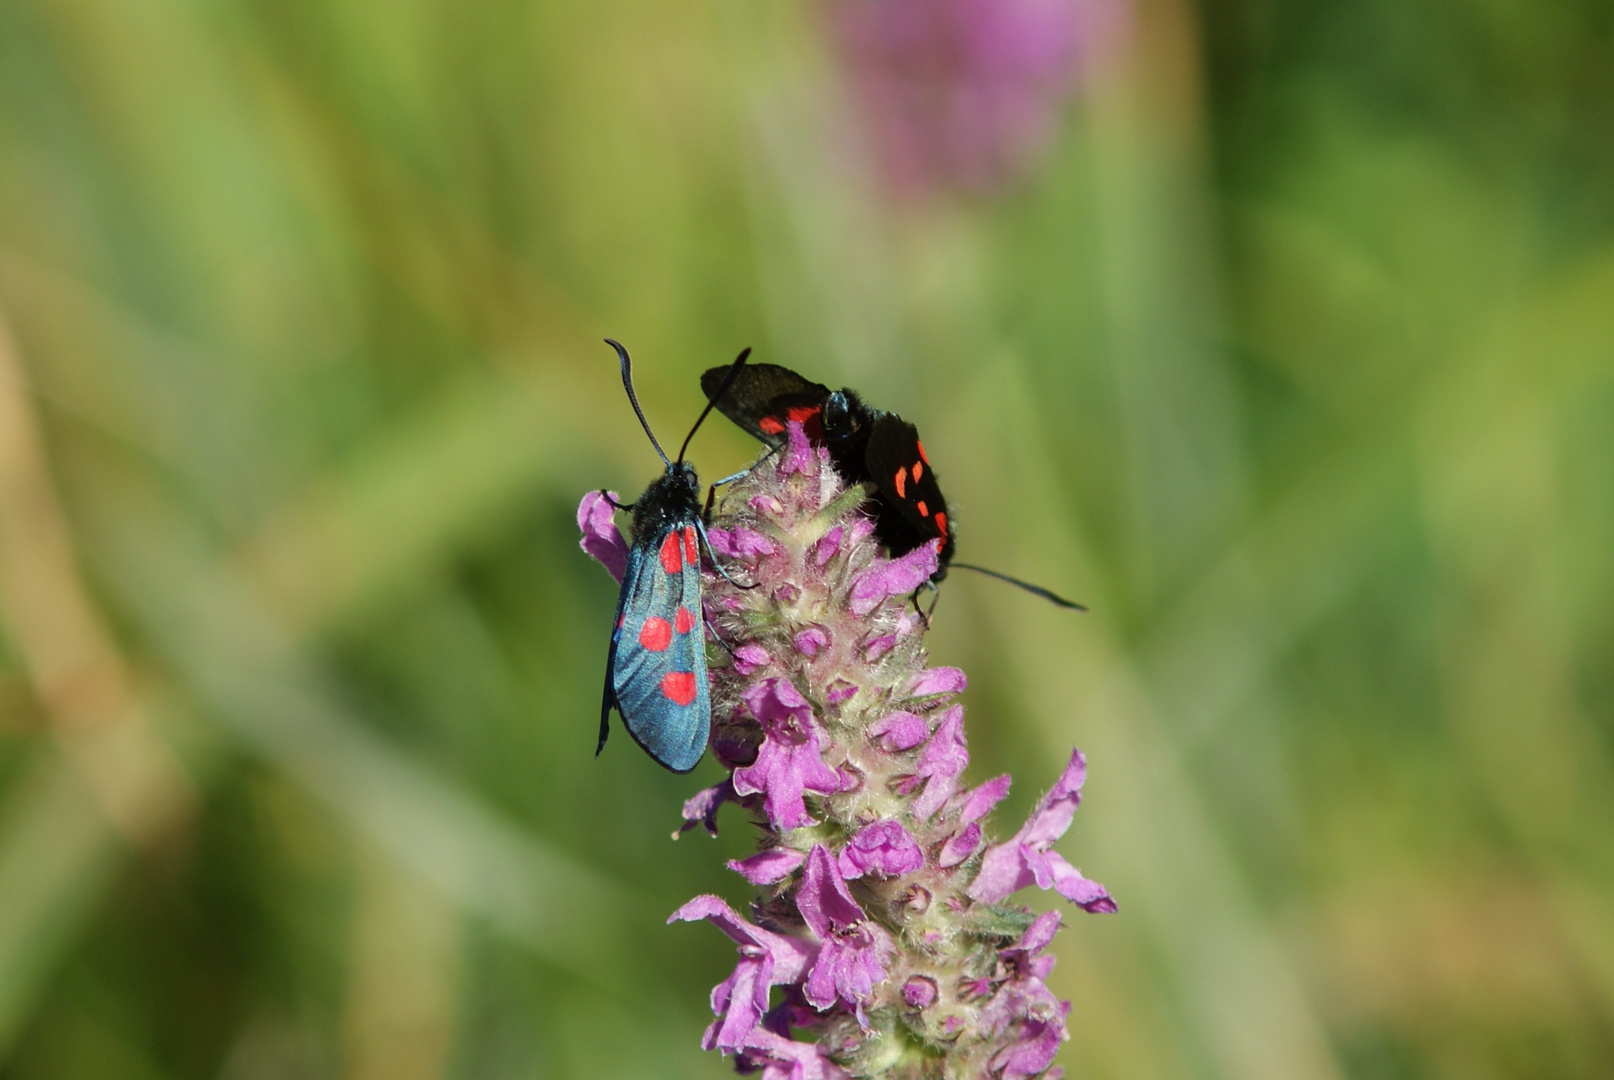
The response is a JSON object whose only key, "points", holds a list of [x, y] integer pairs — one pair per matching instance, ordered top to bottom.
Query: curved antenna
{"points": [[728, 381], [627, 384], [1035, 590]]}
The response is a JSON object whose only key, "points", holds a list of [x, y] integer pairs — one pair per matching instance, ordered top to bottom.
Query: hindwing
{"points": [[764, 397]]}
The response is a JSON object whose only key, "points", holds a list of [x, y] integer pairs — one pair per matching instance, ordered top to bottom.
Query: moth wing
{"points": [[763, 397], [911, 507], [630, 577], [658, 659]]}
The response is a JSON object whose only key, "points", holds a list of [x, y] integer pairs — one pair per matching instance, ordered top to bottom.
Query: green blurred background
{"points": [[1293, 356]]}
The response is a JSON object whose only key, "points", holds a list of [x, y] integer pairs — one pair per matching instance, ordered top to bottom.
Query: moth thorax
{"points": [[847, 422], [672, 498]]}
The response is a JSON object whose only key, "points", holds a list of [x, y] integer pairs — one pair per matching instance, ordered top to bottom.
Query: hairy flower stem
{"points": [[881, 914]]}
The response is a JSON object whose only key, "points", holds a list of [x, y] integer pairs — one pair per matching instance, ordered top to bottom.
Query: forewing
{"points": [[764, 397], [912, 510], [658, 662]]}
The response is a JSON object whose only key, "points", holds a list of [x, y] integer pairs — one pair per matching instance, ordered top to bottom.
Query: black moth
{"points": [[868, 446]]}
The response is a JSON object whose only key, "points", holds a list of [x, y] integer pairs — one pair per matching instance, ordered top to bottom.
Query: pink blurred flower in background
{"points": [[963, 94]]}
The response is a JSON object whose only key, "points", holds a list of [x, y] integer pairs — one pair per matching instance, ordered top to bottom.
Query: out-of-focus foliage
{"points": [[1294, 358]]}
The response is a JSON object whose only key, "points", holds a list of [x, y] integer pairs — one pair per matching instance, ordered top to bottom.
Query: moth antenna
{"points": [[728, 381], [627, 384], [1035, 590]]}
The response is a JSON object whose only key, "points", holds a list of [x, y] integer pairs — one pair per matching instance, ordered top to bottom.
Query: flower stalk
{"points": [[881, 940]]}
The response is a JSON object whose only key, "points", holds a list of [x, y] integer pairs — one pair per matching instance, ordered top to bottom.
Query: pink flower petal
{"points": [[798, 456], [596, 518], [740, 543], [828, 546], [893, 577], [811, 641], [879, 647], [750, 658], [938, 680], [840, 690], [900, 731], [790, 760], [943, 760], [978, 802], [701, 808], [960, 846], [883, 848], [767, 867], [823, 899], [1040, 933]]}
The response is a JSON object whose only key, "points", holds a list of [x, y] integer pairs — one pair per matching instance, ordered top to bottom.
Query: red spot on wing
{"points": [[803, 414], [810, 417], [921, 447], [918, 470], [902, 482], [924, 511], [941, 521], [692, 554], [672, 559], [684, 621], [655, 634], [678, 687]]}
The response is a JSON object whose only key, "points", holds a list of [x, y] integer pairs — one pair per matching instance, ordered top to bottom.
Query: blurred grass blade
{"points": [[252, 677], [58, 856]]}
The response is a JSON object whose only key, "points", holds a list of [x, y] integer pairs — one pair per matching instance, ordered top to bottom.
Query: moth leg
{"points": [[711, 492], [606, 495], [700, 527], [925, 614], [711, 628]]}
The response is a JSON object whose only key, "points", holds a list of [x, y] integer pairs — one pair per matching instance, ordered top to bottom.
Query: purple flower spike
{"points": [[601, 538], [899, 577], [943, 760], [789, 762], [882, 848], [1027, 860], [886, 923], [766, 960], [849, 963]]}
